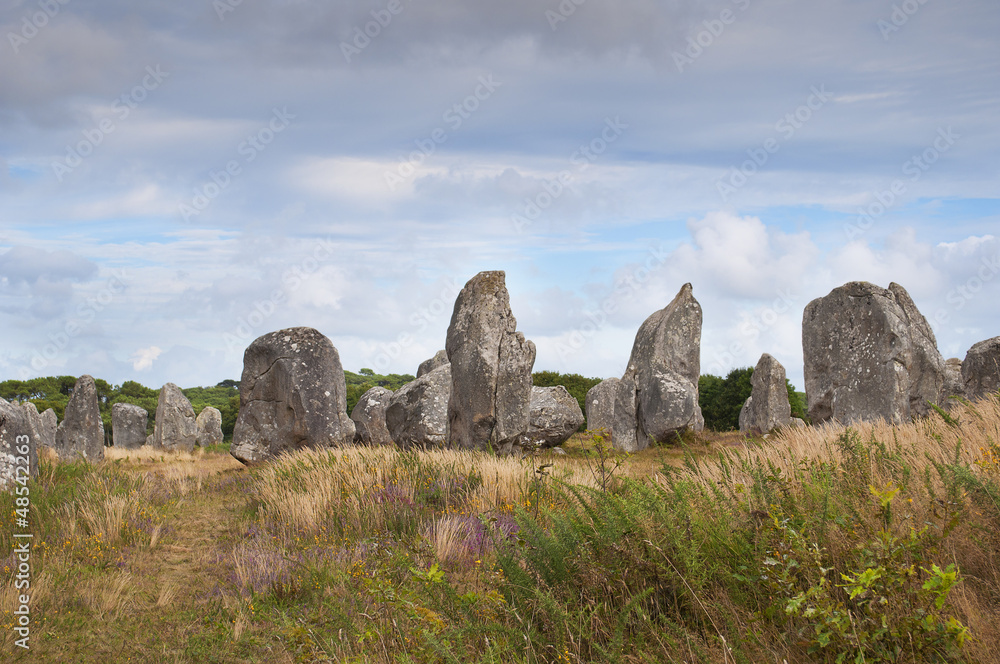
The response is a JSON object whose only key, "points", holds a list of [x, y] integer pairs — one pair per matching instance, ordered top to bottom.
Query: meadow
{"points": [[874, 543]]}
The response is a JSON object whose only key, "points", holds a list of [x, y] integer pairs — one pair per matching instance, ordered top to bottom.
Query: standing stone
{"points": [[869, 354], [439, 360], [927, 367], [490, 368], [981, 369], [660, 385], [292, 395], [600, 403], [768, 407], [417, 414], [554, 416], [369, 417], [43, 425], [128, 425], [208, 427], [175, 429], [16, 432], [81, 433]]}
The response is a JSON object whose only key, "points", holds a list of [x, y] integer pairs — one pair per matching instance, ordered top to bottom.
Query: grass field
{"points": [[875, 543]]}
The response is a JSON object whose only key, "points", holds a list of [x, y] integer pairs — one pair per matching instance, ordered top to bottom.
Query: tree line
{"points": [[720, 398]]}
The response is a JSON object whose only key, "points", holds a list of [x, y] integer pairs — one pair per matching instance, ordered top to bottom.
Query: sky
{"points": [[179, 178]]}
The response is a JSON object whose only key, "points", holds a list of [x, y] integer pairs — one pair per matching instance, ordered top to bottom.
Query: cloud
{"points": [[30, 265], [142, 359]]}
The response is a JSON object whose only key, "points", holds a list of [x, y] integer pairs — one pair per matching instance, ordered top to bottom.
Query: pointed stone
{"points": [[490, 368], [662, 376], [768, 407], [175, 429], [81, 433]]}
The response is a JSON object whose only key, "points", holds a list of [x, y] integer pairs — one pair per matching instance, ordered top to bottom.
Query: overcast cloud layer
{"points": [[177, 179]]}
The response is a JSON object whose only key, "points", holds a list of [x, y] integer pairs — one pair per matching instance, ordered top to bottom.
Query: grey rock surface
{"points": [[869, 354], [439, 360], [490, 368], [981, 369], [927, 372], [662, 376], [954, 384], [292, 395], [600, 403], [768, 407], [417, 414], [554, 416], [369, 417], [43, 425], [128, 425], [208, 427], [174, 429], [16, 433], [81, 433]]}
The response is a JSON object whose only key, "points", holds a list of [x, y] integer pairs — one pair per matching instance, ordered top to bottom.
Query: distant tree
{"points": [[366, 372], [229, 382], [722, 399], [797, 400]]}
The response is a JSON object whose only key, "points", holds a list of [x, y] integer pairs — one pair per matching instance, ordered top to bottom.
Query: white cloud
{"points": [[142, 359]]}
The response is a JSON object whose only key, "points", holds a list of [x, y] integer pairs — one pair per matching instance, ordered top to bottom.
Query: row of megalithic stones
{"points": [[868, 353]]}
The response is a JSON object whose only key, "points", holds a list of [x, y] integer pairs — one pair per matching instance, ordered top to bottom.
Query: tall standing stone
{"points": [[869, 354], [490, 368], [981, 369], [660, 385], [292, 396], [768, 407], [417, 414], [369, 417], [128, 425], [208, 427], [175, 429], [81, 433], [16, 436]]}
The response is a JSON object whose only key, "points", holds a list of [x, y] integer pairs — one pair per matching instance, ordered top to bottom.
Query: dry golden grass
{"points": [[173, 465]]}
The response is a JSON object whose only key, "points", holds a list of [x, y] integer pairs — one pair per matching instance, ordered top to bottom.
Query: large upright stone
{"points": [[869, 354], [439, 360], [490, 368], [981, 369], [927, 372], [660, 384], [292, 395], [600, 403], [768, 407], [417, 414], [555, 415], [369, 417], [43, 425], [128, 425], [208, 427], [175, 429], [81, 433], [16, 437]]}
